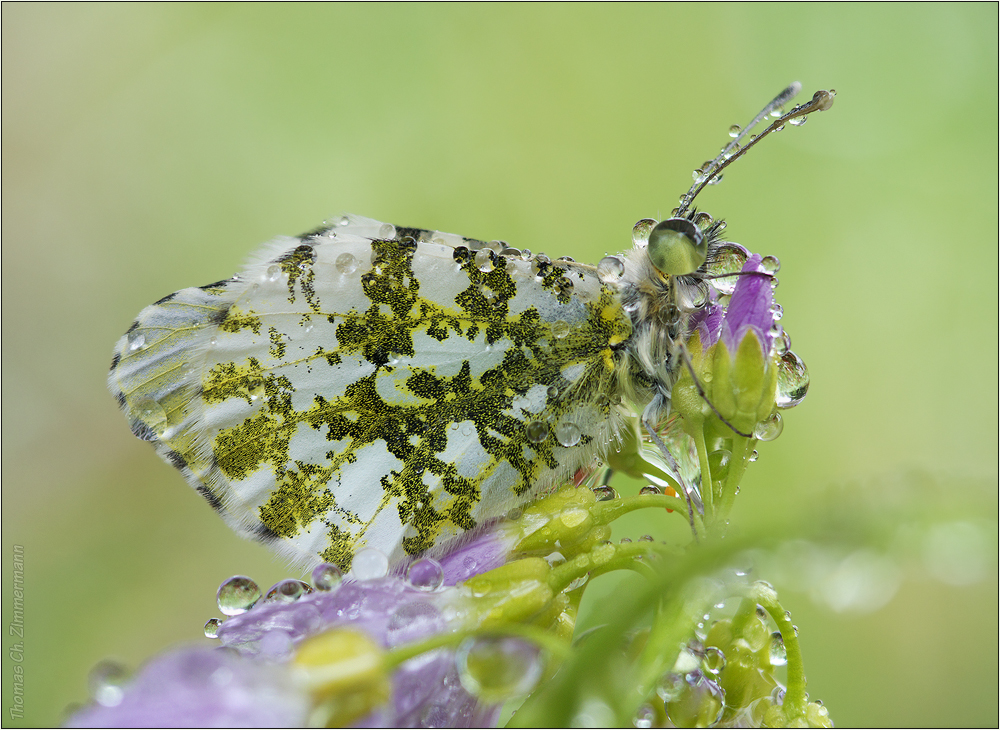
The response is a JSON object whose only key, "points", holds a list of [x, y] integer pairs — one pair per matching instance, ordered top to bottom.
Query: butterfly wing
{"points": [[366, 385]]}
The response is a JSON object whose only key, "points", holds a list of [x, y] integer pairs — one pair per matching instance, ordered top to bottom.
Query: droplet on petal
{"points": [[370, 564], [425, 574], [326, 576], [237, 595], [498, 668]]}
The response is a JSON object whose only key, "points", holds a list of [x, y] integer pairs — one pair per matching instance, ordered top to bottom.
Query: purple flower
{"points": [[749, 309], [252, 680], [195, 687]]}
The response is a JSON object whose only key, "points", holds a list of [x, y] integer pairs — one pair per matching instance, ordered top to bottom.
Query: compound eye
{"points": [[676, 247]]}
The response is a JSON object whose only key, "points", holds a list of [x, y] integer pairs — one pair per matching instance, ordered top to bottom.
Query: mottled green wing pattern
{"points": [[367, 385]]}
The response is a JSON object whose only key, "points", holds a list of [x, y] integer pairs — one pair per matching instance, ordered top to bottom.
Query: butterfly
{"points": [[372, 385]]}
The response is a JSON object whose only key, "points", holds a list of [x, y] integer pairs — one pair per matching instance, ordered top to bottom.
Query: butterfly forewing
{"points": [[367, 385]]}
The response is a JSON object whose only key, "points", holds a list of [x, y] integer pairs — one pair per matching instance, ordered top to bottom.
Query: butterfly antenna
{"points": [[711, 173]]}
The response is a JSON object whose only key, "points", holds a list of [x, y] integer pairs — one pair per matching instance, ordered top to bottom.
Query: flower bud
{"points": [[732, 355]]}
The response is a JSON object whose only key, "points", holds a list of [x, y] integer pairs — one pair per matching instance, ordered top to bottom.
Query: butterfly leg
{"points": [[649, 422]]}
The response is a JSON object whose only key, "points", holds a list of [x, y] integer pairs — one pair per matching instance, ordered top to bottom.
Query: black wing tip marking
{"points": [[318, 232], [216, 284], [143, 432], [214, 502], [264, 533]]}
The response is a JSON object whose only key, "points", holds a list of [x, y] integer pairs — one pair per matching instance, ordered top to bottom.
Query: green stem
{"points": [[742, 448], [707, 483], [606, 512], [624, 557], [542, 637], [795, 695]]}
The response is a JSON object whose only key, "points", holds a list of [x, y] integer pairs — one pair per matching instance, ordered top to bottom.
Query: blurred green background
{"points": [[148, 148]]}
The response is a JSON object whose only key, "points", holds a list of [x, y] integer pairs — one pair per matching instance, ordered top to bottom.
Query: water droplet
{"points": [[775, 113], [799, 121], [734, 131], [715, 180], [703, 220], [344, 221], [641, 231], [387, 232], [728, 258], [484, 259], [347, 263], [770, 265], [610, 269], [274, 273], [777, 312], [560, 329], [136, 340], [782, 345], [793, 380], [152, 414], [769, 429], [537, 431], [568, 433], [754, 456], [718, 462], [651, 489], [605, 493], [515, 513], [646, 538], [625, 541], [555, 559], [369, 564], [425, 574], [326, 576], [288, 591], [237, 595], [212, 628], [779, 657], [714, 661], [498, 668], [106, 682], [670, 687], [699, 703], [644, 717]]}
